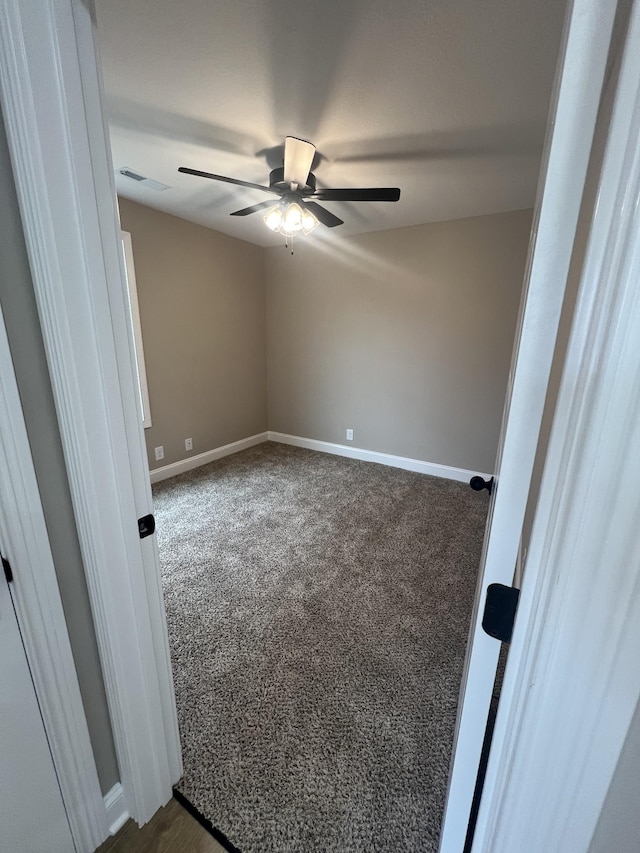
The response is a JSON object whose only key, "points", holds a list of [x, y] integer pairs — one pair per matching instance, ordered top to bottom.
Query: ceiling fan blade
{"points": [[298, 157], [228, 180], [378, 194], [253, 209], [322, 215]]}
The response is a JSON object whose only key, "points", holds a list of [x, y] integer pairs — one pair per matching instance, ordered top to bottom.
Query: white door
{"points": [[581, 66], [32, 814]]}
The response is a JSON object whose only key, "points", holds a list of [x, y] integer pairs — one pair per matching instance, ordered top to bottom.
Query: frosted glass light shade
{"points": [[273, 218], [290, 220], [309, 222]]}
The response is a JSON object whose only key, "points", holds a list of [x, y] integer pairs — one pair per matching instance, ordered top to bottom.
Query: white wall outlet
{"points": [[349, 435], [188, 444], [159, 453]]}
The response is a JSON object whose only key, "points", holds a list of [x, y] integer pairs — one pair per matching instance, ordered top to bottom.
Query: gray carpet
{"points": [[318, 611]]}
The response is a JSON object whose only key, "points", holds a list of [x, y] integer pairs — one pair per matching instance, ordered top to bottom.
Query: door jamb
{"points": [[573, 113], [59, 153], [36, 597], [570, 693]]}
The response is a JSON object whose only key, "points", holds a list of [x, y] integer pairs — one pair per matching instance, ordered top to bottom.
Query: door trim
{"points": [[572, 118], [59, 150], [36, 597], [570, 693]]}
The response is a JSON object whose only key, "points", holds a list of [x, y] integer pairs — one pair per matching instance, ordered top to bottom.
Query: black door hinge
{"points": [[146, 525], [8, 573], [500, 611]]}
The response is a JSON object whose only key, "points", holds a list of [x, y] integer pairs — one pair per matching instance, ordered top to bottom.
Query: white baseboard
{"points": [[190, 462], [432, 468], [116, 808]]}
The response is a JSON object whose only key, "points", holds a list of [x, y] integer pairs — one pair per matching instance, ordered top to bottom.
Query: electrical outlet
{"points": [[349, 435], [188, 444], [159, 453]]}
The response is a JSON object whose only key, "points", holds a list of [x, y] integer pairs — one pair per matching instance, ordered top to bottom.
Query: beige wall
{"points": [[202, 309], [404, 336], [30, 364]]}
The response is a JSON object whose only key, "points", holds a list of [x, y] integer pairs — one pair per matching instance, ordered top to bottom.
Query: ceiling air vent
{"points": [[145, 182]]}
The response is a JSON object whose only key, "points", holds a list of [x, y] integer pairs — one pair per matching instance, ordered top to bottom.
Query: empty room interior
{"points": [[318, 392]]}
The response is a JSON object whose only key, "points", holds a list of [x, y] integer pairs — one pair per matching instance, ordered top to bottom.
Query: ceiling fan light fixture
{"points": [[290, 220]]}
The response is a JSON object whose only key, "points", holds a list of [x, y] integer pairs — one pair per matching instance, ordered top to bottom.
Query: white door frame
{"points": [[582, 61], [50, 89], [25, 543], [571, 686]]}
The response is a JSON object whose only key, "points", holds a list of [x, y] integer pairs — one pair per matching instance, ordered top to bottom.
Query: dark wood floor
{"points": [[172, 830]]}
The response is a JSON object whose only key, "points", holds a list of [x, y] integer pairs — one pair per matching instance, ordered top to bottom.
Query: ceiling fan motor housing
{"points": [[277, 182]]}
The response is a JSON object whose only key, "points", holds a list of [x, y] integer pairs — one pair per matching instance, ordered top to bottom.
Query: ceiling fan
{"points": [[298, 210]]}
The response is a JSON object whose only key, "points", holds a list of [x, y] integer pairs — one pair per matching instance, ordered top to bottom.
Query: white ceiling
{"points": [[446, 99]]}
